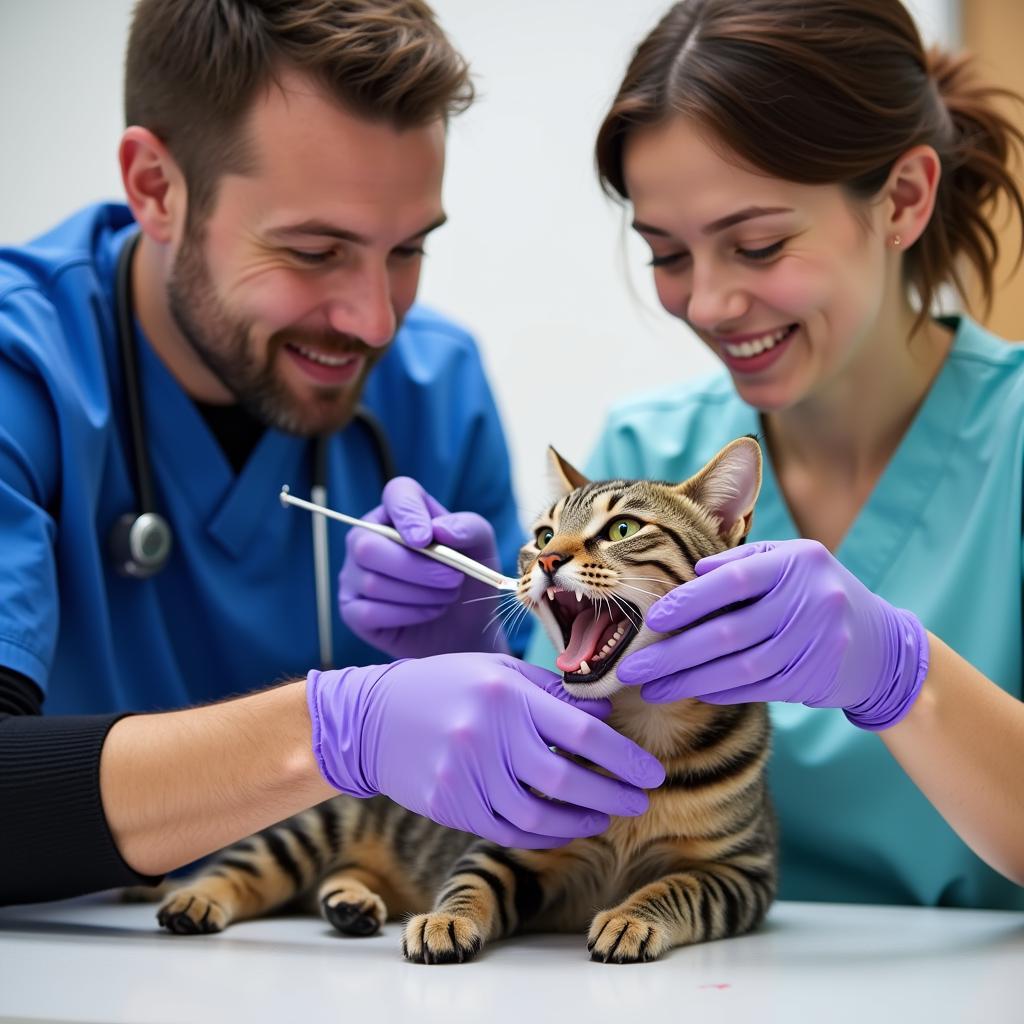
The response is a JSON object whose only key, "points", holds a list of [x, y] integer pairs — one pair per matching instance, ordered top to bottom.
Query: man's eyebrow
{"points": [[718, 225], [328, 230]]}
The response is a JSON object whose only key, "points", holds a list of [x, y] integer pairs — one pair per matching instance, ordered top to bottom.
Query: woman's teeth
{"points": [[754, 347]]}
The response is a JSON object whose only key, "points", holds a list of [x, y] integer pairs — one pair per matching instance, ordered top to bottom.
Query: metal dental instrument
{"points": [[438, 552]]}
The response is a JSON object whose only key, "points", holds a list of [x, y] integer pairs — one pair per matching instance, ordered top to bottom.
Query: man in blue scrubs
{"points": [[282, 172]]}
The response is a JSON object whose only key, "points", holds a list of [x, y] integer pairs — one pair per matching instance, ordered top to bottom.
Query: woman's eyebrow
{"points": [[749, 213], [741, 215]]}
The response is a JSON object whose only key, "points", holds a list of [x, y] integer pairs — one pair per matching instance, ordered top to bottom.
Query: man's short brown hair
{"points": [[194, 67]]}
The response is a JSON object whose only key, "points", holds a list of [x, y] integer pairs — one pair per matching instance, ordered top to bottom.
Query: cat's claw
{"points": [[189, 913], [440, 938], [621, 938]]}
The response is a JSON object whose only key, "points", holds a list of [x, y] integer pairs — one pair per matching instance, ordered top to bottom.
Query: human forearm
{"points": [[962, 742], [180, 785]]}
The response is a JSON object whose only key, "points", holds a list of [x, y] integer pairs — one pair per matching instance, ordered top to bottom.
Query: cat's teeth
{"points": [[551, 593], [579, 595], [612, 641], [584, 669]]}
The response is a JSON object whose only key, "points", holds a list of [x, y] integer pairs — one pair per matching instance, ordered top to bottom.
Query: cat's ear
{"points": [[565, 476], [728, 487]]}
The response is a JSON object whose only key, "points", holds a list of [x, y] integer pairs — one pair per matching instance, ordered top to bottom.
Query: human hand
{"points": [[406, 604], [807, 631], [459, 737]]}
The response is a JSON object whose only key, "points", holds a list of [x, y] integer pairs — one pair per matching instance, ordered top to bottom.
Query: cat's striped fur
{"points": [[699, 864]]}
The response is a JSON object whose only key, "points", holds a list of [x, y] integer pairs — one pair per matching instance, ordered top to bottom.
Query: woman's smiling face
{"points": [[784, 282]]}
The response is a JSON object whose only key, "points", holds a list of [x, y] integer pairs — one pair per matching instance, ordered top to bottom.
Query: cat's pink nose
{"points": [[549, 563]]}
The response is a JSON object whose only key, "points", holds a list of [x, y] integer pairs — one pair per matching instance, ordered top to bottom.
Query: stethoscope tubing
{"points": [[143, 473]]}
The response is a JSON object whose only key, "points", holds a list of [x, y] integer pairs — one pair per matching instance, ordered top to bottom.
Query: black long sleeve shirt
{"points": [[58, 842]]}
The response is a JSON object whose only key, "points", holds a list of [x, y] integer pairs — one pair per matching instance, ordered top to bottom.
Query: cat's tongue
{"points": [[587, 629]]}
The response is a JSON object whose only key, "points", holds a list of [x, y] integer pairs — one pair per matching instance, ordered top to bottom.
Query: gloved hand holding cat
{"points": [[808, 632], [456, 736]]}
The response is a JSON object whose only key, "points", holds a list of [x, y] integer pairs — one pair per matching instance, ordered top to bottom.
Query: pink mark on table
{"points": [[718, 986]]}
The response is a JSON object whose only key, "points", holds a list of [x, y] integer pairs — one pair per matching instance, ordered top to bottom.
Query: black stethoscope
{"points": [[141, 541]]}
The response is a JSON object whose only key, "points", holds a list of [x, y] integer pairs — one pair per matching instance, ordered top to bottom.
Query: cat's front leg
{"points": [[250, 878], [244, 883], [493, 892], [477, 902], [711, 902]]}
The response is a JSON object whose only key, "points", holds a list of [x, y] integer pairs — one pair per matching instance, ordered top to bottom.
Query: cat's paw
{"points": [[354, 911], [187, 912], [620, 938], [441, 939]]}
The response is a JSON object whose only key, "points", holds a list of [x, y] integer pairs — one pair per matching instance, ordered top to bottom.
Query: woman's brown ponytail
{"points": [[976, 157]]}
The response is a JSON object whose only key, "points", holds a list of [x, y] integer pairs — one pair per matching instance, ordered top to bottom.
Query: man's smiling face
{"points": [[294, 285]]}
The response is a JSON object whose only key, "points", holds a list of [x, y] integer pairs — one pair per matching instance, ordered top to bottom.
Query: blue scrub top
{"points": [[940, 535], [235, 607]]}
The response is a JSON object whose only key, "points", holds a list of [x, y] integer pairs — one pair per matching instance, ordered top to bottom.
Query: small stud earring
{"points": [[896, 241]]}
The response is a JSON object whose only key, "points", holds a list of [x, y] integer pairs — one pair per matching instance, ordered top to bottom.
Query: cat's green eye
{"points": [[623, 528], [544, 535]]}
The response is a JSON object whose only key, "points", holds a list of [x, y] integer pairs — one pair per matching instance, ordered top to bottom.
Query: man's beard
{"points": [[223, 344]]}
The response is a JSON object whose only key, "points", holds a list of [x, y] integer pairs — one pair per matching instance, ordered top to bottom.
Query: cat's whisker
{"points": [[651, 579], [640, 590], [489, 597], [608, 605], [624, 608], [509, 609], [516, 611], [505, 612], [522, 615], [502, 618], [513, 620], [510, 622]]}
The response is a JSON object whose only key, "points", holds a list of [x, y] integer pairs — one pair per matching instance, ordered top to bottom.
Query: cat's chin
{"points": [[606, 686]]}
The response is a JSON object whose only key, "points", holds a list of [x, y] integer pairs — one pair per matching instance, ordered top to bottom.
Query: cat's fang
{"points": [[584, 669]]}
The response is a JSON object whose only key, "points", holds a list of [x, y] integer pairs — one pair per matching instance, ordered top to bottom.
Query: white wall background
{"points": [[535, 260]]}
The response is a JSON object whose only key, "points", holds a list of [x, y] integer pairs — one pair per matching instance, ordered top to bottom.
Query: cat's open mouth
{"points": [[594, 633]]}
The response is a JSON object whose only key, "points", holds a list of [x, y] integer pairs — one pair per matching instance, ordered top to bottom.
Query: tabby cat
{"points": [[699, 864]]}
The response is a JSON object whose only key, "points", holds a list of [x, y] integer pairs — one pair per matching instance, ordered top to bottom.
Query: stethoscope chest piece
{"points": [[140, 541], [140, 544]]}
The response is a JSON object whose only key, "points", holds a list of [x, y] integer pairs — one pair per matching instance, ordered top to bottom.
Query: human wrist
{"points": [[892, 698], [339, 703], [296, 769], [178, 785]]}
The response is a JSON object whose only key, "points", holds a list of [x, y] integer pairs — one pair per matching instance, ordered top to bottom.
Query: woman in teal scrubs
{"points": [[807, 177]]}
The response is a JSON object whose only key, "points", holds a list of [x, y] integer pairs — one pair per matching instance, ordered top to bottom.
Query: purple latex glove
{"points": [[410, 606], [812, 634], [458, 737]]}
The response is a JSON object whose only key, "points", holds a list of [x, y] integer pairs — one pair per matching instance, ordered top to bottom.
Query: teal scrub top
{"points": [[940, 535]]}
